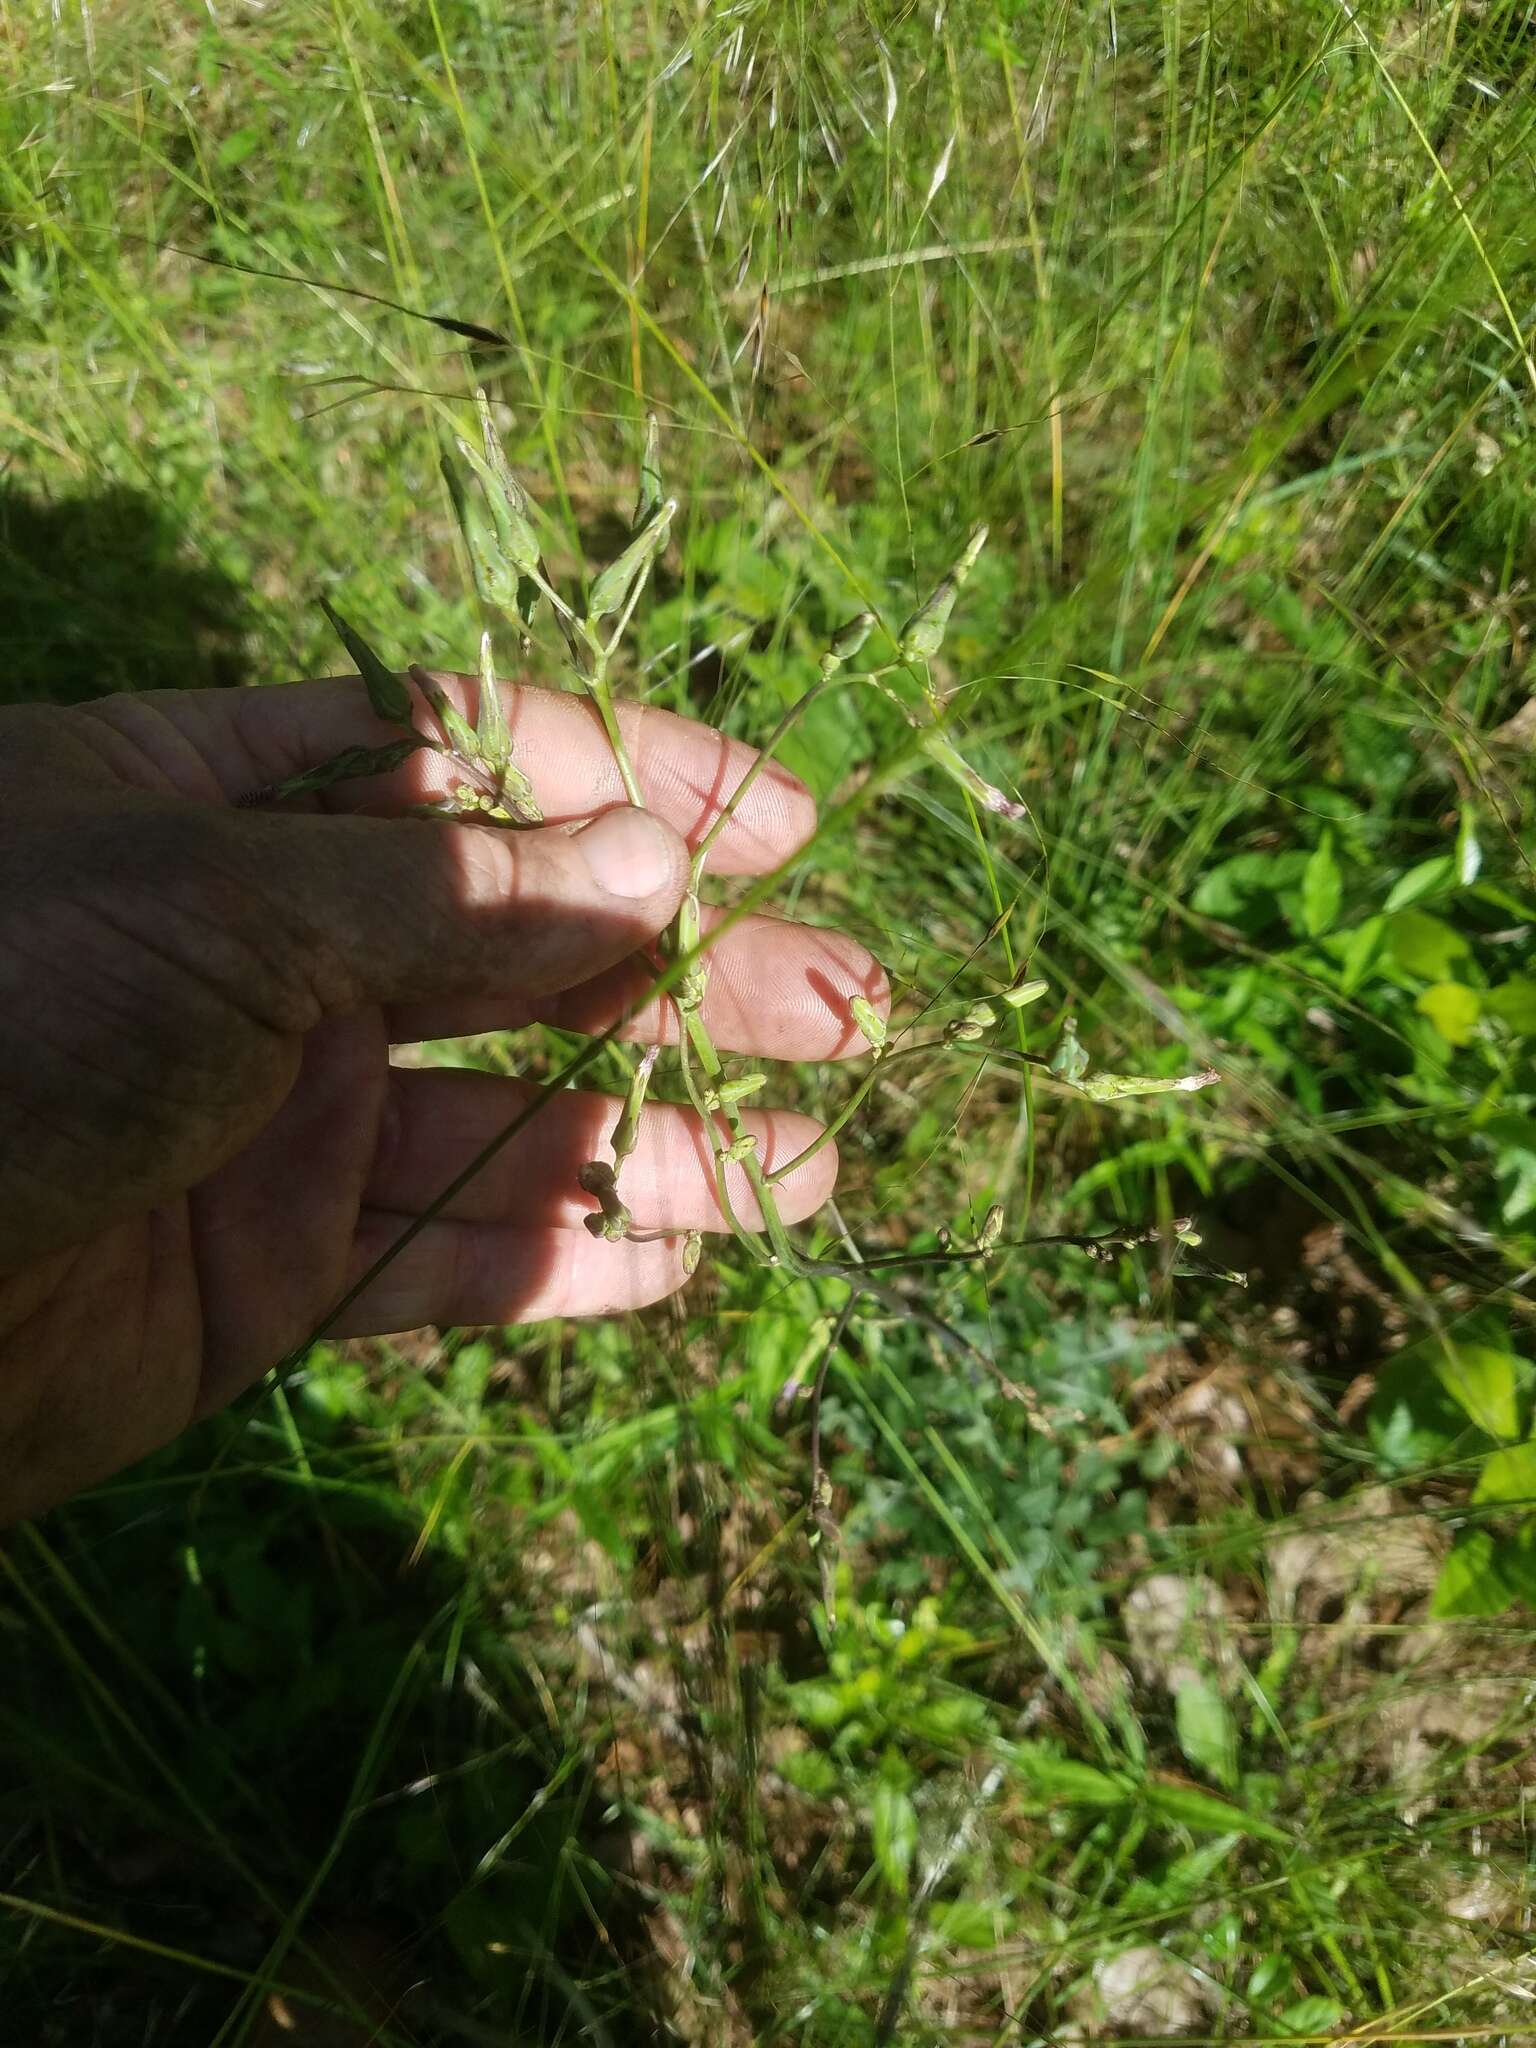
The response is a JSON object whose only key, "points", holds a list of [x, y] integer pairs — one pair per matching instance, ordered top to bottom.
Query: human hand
{"points": [[203, 1141]]}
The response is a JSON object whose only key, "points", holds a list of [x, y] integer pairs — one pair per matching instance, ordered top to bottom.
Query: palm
{"points": [[212, 1143]]}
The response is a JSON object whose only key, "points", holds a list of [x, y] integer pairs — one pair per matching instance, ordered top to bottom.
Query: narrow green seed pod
{"points": [[649, 502], [496, 578], [612, 587], [923, 634], [846, 642], [491, 730], [1023, 993], [869, 1021], [738, 1091], [626, 1131]]}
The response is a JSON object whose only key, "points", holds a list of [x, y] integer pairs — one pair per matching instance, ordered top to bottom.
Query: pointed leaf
{"points": [[386, 693], [1322, 890], [1483, 1381], [1509, 1476], [1470, 1581], [1206, 1730]]}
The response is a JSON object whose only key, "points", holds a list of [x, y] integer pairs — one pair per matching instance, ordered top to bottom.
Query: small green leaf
{"points": [[386, 693], [1427, 879], [1322, 890], [1425, 945], [1357, 950], [1513, 1002], [1453, 1009], [1482, 1380], [1509, 1475], [1470, 1581], [1206, 1730], [1050, 1776], [1204, 1813], [893, 1826], [967, 1923], [1315, 2015]]}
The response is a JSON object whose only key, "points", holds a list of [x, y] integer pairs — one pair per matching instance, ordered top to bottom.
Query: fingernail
{"points": [[628, 853]]}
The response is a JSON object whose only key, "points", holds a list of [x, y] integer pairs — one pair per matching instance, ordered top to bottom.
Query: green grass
{"points": [[479, 1686]]}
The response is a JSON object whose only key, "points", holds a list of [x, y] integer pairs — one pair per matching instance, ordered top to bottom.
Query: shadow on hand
{"points": [[100, 592]]}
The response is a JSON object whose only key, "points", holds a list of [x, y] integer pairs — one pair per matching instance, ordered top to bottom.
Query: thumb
{"points": [[395, 910]]}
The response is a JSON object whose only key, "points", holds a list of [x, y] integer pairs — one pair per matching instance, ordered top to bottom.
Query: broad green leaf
{"points": [[386, 693], [1427, 879], [1241, 890], [1322, 890], [1425, 945], [1357, 950], [1513, 1002], [1453, 1009], [1513, 1139], [1482, 1380], [1412, 1421], [1509, 1475], [1470, 1581], [1206, 1730], [1050, 1776], [1203, 1812], [893, 1827], [967, 1923], [1315, 2015]]}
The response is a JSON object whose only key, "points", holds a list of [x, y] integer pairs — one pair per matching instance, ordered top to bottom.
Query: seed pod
{"points": [[508, 499], [648, 504], [496, 578], [613, 586], [923, 634], [846, 642], [386, 693], [491, 732], [1023, 993], [982, 1015], [869, 1021], [963, 1031], [1069, 1062], [1116, 1087], [729, 1092], [626, 1131], [991, 1228], [693, 1251]]}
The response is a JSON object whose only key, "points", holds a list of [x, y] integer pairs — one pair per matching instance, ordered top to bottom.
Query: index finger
{"points": [[249, 739]]}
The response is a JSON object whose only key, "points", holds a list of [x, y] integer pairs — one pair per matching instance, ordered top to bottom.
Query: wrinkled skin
{"points": [[204, 1139]]}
